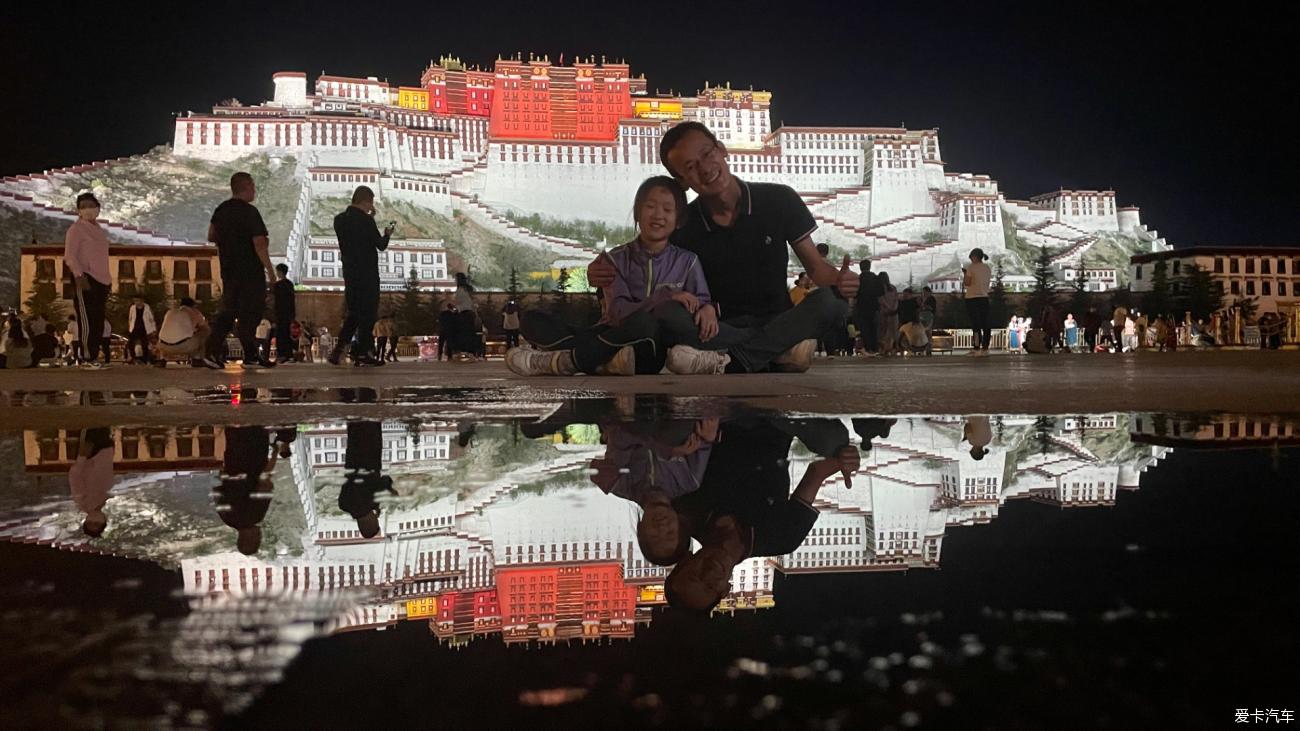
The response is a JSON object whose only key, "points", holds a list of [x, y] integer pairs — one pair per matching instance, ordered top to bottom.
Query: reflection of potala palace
{"points": [[573, 141], [563, 562]]}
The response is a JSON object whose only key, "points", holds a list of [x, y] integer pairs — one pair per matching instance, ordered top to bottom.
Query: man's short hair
{"points": [[675, 135], [240, 182], [362, 194], [87, 197], [824, 250], [865, 264], [282, 268], [187, 302]]}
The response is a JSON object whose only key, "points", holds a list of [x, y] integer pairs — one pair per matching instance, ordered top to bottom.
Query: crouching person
{"points": [[183, 334]]}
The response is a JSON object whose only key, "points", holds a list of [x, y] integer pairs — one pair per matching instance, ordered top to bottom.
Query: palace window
{"points": [[1265, 267], [126, 269], [153, 270], [180, 270], [203, 270], [1266, 288]]}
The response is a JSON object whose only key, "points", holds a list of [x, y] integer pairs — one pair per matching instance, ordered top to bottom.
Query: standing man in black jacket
{"points": [[359, 245], [285, 312]]}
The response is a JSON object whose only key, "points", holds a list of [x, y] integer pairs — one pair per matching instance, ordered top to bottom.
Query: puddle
{"points": [[620, 561]]}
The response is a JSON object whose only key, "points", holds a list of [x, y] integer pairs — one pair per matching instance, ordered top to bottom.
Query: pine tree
{"points": [[513, 285], [562, 285], [1044, 293], [1199, 294], [998, 295], [1079, 298], [1158, 301], [46, 302], [412, 319]]}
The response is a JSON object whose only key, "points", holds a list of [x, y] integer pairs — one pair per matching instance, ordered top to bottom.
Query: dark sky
{"points": [[1185, 112]]}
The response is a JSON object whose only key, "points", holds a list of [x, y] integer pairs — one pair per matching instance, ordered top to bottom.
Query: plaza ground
{"points": [[1233, 381]]}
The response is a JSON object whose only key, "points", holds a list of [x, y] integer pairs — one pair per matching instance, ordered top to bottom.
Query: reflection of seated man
{"points": [[184, 332], [869, 428], [653, 469], [91, 477], [363, 480], [244, 494], [744, 507]]}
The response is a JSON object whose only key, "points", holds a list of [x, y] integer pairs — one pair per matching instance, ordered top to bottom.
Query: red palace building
{"points": [[535, 99]]}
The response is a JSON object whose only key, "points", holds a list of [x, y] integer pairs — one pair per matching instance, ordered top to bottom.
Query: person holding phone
{"points": [[359, 245]]}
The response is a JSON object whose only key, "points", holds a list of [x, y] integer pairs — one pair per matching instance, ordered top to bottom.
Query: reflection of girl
{"points": [[1071, 332], [1013, 335], [652, 470]]}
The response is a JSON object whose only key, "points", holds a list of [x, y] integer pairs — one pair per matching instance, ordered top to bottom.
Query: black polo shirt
{"points": [[237, 223], [746, 264]]}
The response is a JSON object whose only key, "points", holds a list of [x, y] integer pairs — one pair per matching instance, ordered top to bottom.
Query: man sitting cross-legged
{"points": [[742, 233], [653, 280]]}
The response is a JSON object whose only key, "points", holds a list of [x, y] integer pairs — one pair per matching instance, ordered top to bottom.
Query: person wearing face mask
{"points": [[359, 245], [85, 253], [651, 277]]}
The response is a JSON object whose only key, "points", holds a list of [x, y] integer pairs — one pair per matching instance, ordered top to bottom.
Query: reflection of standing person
{"points": [[242, 245], [359, 245], [85, 254], [976, 277], [866, 306], [887, 315], [1117, 321], [1071, 332], [978, 433], [91, 477], [363, 479], [244, 495]]}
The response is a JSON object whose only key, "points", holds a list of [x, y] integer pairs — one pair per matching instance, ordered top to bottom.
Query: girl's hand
{"points": [[687, 300], [707, 319]]}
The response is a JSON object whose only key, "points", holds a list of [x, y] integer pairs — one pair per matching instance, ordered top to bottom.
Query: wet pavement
{"points": [[513, 558]]}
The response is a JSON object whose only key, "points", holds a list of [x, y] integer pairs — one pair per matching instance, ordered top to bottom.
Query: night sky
{"points": [[1185, 112]]}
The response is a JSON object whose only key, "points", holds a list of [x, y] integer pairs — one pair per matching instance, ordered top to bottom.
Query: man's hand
{"points": [[390, 228], [601, 272], [270, 276], [848, 281], [83, 283], [687, 300], [706, 318], [707, 429], [849, 462]]}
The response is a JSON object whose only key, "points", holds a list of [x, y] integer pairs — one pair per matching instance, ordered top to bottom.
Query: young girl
{"points": [[651, 273]]}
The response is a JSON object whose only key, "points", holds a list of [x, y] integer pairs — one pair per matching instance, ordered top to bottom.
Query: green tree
{"points": [[513, 284], [562, 285], [1044, 292], [1199, 293], [998, 294], [1079, 297], [1158, 301], [46, 302], [408, 304]]}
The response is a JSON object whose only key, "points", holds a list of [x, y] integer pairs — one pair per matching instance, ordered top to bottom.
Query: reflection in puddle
{"points": [[575, 527]]}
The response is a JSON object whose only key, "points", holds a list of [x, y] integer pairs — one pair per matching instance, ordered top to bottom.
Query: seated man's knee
{"points": [[830, 308], [673, 314]]}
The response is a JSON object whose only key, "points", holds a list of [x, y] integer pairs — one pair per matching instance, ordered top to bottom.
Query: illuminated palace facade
{"points": [[572, 141]]}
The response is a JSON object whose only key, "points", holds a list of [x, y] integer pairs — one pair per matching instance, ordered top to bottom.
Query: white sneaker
{"points": [[797, 359], [687, 361], [529, 362], [94, 365]]}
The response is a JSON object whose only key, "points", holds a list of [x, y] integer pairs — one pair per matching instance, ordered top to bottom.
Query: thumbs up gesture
{"points": [[848, 281]]}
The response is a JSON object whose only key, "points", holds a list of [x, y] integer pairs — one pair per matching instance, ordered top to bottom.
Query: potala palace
{"points": [[571, 142]]}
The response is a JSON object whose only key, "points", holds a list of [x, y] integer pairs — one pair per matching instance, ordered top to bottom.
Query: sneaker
{"points": [[797, 359], [366, 361], [687, 361], [528, 362], [197, 363], [213, 363], [256, 364], [622, 364], [95, 365]]}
